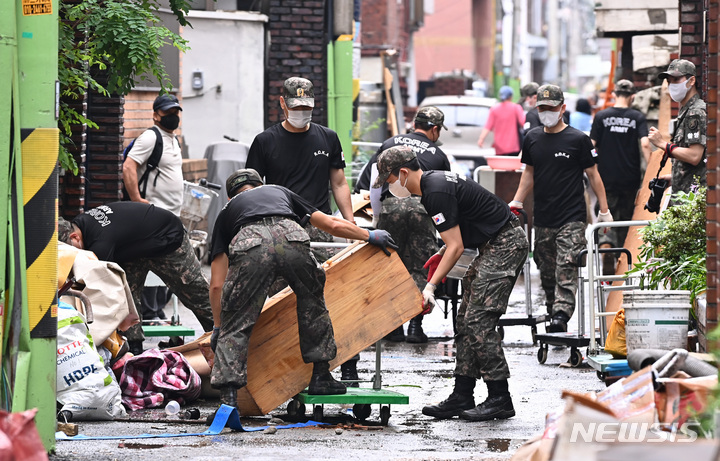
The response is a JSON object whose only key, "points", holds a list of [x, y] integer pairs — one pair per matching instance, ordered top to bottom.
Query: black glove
{"points": [[382, 239], [214, 338]]}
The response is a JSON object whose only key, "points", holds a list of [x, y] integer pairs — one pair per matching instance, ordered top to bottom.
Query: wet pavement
{"points": [[422, 372]]}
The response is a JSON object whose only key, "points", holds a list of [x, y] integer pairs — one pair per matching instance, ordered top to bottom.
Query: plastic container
{"points": [[508, 163], [656, 319], [172, 408]]}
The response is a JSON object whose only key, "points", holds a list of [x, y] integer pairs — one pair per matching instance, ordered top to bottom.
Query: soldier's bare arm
{"points": [[218, 272]]}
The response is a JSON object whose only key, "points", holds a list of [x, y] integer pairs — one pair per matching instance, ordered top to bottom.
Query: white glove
{"points": [[516, 204], [605, 217], [375, 221], [428, 294]]}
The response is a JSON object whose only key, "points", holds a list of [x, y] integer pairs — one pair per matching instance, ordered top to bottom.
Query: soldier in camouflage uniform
{"points": [[687, 147], [555, 158], [467, 216], [405, 218], [141, 237], [256, 238]]}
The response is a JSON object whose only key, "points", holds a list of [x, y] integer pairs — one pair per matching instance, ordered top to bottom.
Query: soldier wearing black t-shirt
{"points": [[615, 134], [303, 156], [555, 158], [467, 216], [405, 218], [141, 237], [256, 238]]}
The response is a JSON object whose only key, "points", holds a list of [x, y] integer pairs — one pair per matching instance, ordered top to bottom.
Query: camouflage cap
{"points": [[678, 68], [624, 87], [529, 89], [298, 91], [550, 95], [166, 102], [431, 115], [391, 159], [241, 177]]}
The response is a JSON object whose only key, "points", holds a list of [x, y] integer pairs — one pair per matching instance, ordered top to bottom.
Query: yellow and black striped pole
{"points": [[29, 43]]}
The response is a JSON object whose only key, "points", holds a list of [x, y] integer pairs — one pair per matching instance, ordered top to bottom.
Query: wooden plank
{"points": [[633, 240], [368, 295]]}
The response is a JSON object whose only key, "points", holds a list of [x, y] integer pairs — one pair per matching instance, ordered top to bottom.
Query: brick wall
{"points": [[385, 26], [297, 48], [712, 90], [71, 188]]}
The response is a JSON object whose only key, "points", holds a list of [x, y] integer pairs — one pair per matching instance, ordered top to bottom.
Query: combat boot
{"points": [[558, 324], [415, 333], [396, 336], [348, 372], [322, 382], [228, 396], [461, 399], [498, 405]]}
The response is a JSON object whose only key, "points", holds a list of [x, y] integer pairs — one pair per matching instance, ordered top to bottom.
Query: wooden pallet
{"points": [[368, 295]]}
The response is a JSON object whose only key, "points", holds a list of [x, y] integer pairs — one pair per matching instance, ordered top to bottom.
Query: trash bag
{"points": [[615, 342], [84, 386], [19, 438]]}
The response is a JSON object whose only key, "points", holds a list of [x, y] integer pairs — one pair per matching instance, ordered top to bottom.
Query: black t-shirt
{"points": [[616, 132], [429, 155], [559, 160], [302, 162], [451, 201], [251, 205], [125, 231]]}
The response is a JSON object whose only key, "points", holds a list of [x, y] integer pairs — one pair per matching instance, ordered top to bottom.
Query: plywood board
{"points": [[629, 19], [368, 295]]}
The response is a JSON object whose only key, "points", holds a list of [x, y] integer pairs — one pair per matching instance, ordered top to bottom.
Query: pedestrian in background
{"points": [[582, 118], [506, 120], [555, 158], [467, 216]]}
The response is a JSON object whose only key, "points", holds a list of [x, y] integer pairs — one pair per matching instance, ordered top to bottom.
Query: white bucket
{"points": [[656, 319]]}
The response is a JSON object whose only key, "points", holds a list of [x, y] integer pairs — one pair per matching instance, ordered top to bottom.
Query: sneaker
{"points": [[452, 406], [495, 407]]}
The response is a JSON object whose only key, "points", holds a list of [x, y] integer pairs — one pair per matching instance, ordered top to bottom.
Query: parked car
{"points": [[465, 117]]}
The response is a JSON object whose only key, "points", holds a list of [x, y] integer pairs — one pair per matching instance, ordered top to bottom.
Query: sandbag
{"points": [[615, 341], [84, 386]]}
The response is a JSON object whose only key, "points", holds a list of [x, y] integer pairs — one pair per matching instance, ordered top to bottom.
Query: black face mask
{"points": [[170, 121]]}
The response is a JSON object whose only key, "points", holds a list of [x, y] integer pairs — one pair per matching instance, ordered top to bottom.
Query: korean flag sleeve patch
{"points": [[438, 219]]}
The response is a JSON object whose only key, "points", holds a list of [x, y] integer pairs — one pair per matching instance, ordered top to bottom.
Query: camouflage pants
{"points": [[622, 206], [413, 231], [258, 253], [555, 254], [182, 273], [487, 285]]}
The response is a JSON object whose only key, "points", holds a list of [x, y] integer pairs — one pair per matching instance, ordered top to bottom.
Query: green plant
{"points": [[122, 38], [674, 249]]}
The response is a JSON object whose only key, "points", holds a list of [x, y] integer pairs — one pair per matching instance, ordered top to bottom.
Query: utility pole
{"points": [[29, 136]]}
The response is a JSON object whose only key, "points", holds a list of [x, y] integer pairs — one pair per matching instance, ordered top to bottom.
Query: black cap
{"points": [[166, 102], [241, 177]]}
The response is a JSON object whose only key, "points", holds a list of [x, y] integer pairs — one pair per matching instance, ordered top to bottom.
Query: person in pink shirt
{"points": [[505, 120]]}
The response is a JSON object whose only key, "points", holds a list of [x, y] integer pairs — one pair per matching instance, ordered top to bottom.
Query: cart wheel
{"points": [[501, 330], [533, 334], [542, 353], [576, 358], [601, 376], [296, 408], [362, 411], [318, 413], [384, 414]]}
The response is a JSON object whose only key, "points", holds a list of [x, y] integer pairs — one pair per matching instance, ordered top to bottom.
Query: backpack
{"points": [[152, 163]]}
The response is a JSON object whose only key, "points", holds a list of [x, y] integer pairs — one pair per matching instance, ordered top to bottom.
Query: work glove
{"points": [[515, 207], [605, 217], [382, 239], [432, 264], [428, 294], [214, 338]]}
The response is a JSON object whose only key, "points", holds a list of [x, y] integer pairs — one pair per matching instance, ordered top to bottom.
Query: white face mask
{"points": [[678, 91], [299, 118], [549, 119], [398, 190]]}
